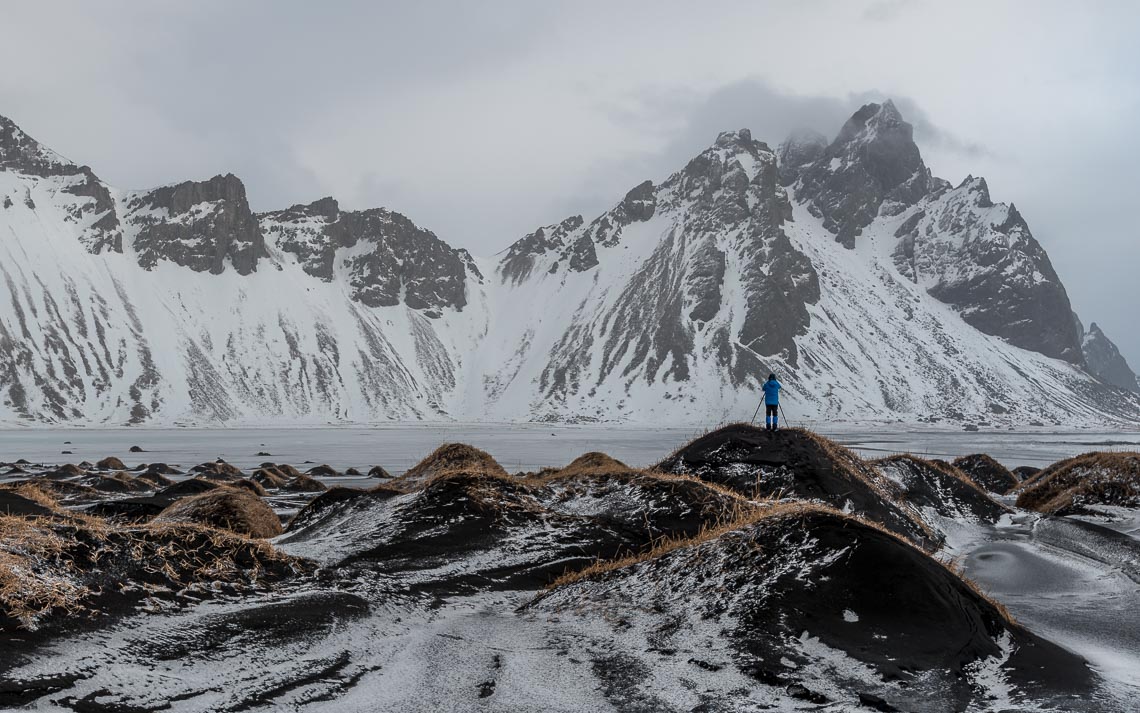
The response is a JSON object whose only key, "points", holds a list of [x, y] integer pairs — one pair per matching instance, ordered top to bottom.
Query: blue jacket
{"points": [[772, 392]]}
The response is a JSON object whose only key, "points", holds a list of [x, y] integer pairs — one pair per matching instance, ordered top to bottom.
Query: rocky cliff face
{"points": [[872, 166], [86, 202], [202, 225], [385, 258], [981, 258], [693, 273], [179, 305], [1105, 361]]}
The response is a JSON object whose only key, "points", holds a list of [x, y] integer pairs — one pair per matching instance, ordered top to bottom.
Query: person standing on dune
{"points": [[771, 389]]}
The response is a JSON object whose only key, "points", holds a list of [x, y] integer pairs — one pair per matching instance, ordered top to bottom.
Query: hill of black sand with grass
{"points": [[796, 464], [987, 473], [1077, 485], [940, 488], [746, 570], [826, 607]]}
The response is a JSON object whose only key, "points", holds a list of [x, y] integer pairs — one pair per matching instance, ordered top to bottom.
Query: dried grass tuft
{"points": [[234, 509]]}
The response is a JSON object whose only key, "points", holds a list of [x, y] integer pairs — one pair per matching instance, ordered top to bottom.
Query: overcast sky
{"points": [[484, 120]]}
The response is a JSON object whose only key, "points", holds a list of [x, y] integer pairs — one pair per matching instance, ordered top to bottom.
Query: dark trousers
{"points": [[771, 416]]}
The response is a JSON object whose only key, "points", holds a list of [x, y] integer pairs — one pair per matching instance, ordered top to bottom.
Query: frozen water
{"points": [[517, 446]]}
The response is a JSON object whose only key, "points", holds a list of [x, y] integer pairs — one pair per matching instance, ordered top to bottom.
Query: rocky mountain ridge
{"points": [[874, 289]]}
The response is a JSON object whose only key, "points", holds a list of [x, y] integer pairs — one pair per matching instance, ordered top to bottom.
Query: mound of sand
{"points": [[448, 458], [593, 462], [110, 463], [798, 464], [218, 470], [322, 471], [987, 472], [1025, 472], [270, 477], [156, 479], [120, 482], [304, 484], [250, 485], [193, 486], [1072, 486], [941, 488], [57, 489], [23, 503], [656, 504], [226, 508], [131, 510], [314, 511], [462, 532], [52, 571], [795, 595]]}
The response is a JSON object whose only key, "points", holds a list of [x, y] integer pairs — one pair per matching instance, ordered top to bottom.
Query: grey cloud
{"points": [[887, 10]]}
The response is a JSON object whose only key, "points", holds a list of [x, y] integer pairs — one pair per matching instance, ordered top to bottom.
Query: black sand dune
{"points": [[798, 464], [987, 473], [1074, 485], [942, 488], [794, 586]]}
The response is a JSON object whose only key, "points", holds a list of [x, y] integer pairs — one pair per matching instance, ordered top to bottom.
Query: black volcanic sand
{"points": [[797, 464], [987, 473], [938, 486], [476, 530], [103, 572], [777, 586], [819, 604]]}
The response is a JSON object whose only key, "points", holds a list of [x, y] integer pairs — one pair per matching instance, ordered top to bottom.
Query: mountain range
{"points": [[873, 289]]}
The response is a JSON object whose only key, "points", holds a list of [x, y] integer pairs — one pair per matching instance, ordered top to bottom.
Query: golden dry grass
{"points": [[449, 458], [1091, 478], [40, 495], [234, 509], [709, 532], [49, 566]]}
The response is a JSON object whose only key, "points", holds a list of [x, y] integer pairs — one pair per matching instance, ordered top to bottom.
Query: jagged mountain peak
{"points": [[873, 122], [740, 137], [20, 152], [872, 166], [86, 201], [1105, 360]]}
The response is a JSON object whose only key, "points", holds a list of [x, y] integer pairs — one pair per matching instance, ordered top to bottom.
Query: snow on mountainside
{"points": [[874, 290], [1104, 360]]}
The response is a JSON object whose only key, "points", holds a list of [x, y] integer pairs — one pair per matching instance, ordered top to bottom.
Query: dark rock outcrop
{"points": [[88, 201], [202, 225], [395, 261], [1105, 361]]}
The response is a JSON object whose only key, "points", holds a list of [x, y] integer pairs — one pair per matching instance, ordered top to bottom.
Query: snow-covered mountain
{"points": [[874, 290], [1104, 360]]}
